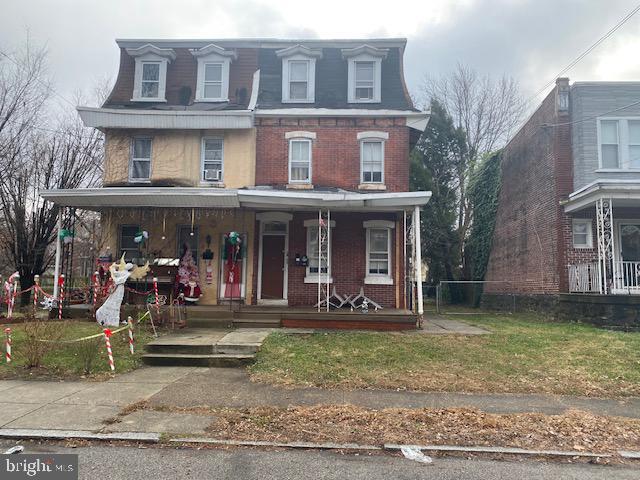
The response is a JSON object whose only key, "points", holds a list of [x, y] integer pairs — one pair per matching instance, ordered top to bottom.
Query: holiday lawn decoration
{"points": [[66, 236], [141, 236], [232, 255], [187, 286], [109, 313]]}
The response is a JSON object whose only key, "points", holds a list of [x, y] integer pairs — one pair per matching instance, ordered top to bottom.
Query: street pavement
{"points": [[116, 462]]}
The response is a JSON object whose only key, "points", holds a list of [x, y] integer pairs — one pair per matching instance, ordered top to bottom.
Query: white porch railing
{"points": [[626, 277], [584, 278]]}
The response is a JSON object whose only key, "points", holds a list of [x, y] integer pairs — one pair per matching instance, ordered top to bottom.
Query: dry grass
{"points": [[523, 355], [573, 430]]}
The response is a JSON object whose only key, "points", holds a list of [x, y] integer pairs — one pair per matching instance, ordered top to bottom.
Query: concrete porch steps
{"points": [[206, 347], [221, 360]]}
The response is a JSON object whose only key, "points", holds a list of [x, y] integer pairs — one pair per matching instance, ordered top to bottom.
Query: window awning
{"points": [[260, 199]]}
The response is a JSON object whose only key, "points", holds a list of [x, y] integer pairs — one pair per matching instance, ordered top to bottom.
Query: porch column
{"points": [[606, 249], [418, 266], [56, 272]]}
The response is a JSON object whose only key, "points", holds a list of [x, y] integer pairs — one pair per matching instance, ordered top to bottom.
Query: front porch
{"points": [[338, 253], [607, 263]]}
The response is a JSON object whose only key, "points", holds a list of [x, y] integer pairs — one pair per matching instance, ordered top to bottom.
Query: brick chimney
{"points": [[562, 96]]}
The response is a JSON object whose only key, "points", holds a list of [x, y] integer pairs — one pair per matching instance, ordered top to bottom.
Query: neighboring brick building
{"points": [[300, 146], [567, 235]]}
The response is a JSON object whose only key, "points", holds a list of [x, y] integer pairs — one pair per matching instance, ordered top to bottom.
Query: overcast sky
{"points": [[530, 40]]}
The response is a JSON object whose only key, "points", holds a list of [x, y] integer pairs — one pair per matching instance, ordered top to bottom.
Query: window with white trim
{"points": [[298, 80], [364, 80], [150, 87], [212, 88], [619, 143], [212, 159], [300, 160], [372, 161], [140, 163], [582, 233], [378, 251], [315, 267]]}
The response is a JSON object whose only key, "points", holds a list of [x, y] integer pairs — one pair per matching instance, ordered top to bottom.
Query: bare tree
{"points": [[488, 110], [34, 157]]}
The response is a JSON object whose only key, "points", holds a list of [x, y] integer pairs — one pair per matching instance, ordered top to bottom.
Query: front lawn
{"points": [[523, 355], [71, 360]]}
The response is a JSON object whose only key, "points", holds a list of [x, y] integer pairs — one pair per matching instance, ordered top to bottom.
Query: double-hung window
{"points": [[213, 80], [298, 80], [364, 80], [150, 87], [619, 143], [372, 152], [212, 159], [300, 160], [140, 164], [582, 233], [127, 244], [378, 253], [317, 266]]}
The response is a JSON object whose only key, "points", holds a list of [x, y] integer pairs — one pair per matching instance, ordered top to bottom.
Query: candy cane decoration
{"points": [[36, 281], [96, 286], [155, 289], [12, 292], [61, 296], [130, 322], [7, 332], [107, 334]]}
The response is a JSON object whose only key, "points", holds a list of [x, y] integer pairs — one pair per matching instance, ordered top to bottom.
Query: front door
{"points": [[273, 247], [629, 267]]}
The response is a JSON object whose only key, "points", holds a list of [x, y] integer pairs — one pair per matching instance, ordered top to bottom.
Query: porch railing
{"points": [[626, 277], [584, 278]]}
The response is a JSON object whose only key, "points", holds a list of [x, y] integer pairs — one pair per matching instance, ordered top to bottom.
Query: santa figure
{"points": [[191, 292]]}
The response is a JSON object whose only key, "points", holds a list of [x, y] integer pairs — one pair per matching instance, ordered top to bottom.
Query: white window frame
{"points": [[364, 53], [150, 54], [294, 54], [210, 55], [364, 137], [309, 141], [132, 159], [203, 161], [624, 162], [582, 221], [312, 277], [379, 278]]}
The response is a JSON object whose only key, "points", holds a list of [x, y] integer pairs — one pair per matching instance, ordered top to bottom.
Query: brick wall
{"points": [[335, 151], [529, 247]]}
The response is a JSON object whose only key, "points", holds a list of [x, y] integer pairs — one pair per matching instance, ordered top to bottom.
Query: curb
{"points": [[78, 434], [394, 447]]}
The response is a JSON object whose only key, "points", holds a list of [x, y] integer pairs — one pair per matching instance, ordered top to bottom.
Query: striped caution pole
{"points": [[36, 286], [96, 286], [155, 290], [60, 296], [130, 322], [107, 334], [7, 344]]}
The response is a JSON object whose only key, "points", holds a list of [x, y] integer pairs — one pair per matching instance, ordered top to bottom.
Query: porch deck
{"points": [[238, 316]]}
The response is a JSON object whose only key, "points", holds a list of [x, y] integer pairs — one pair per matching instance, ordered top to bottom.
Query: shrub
{"points": [[41, 336]]}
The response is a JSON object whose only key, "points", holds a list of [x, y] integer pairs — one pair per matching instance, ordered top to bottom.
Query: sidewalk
{"points": [[87, 406]]}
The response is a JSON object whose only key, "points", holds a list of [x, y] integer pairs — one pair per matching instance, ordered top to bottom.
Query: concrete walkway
{"points": [[90, 406]]}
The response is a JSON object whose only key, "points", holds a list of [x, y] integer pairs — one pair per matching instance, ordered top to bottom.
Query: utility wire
{"points": [[587, 51], [17, 64]]}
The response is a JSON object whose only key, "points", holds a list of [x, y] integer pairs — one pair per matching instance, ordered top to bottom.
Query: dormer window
{"points": [[213, 73], [365, 73], [298, 74], [150, 78]]}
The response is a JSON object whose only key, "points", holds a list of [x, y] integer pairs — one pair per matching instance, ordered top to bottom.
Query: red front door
{"points": [[272, 267]]}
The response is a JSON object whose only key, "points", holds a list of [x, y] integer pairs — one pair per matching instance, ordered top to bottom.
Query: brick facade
{"points": [[335, 151], [529, 249]]}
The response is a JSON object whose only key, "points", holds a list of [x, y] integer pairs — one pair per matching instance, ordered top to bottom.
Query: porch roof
{"points": [[625, 192], [262, 199]]}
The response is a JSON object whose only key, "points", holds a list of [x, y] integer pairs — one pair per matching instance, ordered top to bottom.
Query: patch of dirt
{"points": [[574, 430]]}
